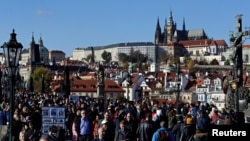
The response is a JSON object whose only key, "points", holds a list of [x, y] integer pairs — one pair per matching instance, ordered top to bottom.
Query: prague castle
{"points": [[171, 34]]}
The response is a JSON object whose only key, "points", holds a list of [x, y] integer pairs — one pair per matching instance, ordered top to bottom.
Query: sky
{"points": [[66, 25]]}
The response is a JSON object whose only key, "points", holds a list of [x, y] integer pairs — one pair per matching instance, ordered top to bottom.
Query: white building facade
{"points": [[146, 48]]}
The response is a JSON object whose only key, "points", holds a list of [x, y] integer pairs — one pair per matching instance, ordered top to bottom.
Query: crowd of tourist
{"points": [[114, 120]]}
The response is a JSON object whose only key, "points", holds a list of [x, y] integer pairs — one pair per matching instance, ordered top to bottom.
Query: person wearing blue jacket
{"points": [[163, 127]]}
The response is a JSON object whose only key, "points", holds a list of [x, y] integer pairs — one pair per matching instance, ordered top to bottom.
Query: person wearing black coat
{"points": [[146, 129], [177, 129], [123, 134]]}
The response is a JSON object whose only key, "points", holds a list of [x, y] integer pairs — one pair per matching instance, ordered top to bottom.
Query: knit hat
{"points": [[189, 120]]}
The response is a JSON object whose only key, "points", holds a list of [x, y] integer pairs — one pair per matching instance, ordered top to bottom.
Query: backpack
{"points": [[163, 135]]}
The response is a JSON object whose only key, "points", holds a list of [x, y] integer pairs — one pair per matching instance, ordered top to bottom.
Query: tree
{"points": [[106, 56], [132, 56], [163, 56], [123, 57], [139, 57], [88, 58], [173, 59], [187, 59], [203, 62], [214, 62], [227, 62], [125, 65], [190, 65], [145, 67], [37, 76]]}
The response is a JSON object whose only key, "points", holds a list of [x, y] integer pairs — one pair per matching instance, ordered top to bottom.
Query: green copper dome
{"points": [[42, 48]]}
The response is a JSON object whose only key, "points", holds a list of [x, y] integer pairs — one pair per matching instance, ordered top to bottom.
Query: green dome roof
{"points": [[42, 48]]}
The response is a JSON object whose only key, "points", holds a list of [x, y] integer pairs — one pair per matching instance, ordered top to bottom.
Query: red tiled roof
{"points": [[203, 42], [221, 42], [245, 46], [91, 86]]}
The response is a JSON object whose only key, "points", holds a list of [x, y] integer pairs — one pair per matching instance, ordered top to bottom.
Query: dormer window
{"points": [[206, 81], [217, 82], [83, 86]]}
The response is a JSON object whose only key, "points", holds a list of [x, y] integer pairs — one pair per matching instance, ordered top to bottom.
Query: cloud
{"points": [[43, 13]]}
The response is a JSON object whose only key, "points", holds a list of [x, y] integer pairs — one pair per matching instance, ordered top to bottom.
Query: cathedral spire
{"points": [[170, 20], [166, 21], [158, 24], [158, 32], [32, 39], [40, 41]]}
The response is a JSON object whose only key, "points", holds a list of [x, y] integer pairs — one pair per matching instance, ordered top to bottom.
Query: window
{"points": [[197, 52], [246, 58], [206, 81], [217, 82], [111, 95]]}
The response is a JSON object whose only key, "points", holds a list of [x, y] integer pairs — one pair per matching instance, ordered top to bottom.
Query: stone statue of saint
{"points": [[100, 73]]}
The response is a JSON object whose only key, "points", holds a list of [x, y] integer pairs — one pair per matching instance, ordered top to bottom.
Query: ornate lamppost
{"points": [[12, 50]]}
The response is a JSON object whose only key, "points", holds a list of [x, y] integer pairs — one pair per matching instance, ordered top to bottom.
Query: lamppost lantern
{"points": [[12, 50], [233, 85]]}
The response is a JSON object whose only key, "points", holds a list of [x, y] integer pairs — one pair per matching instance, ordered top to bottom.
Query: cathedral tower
{"points": [[169, 29], [158, 36], [34, 55]]}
